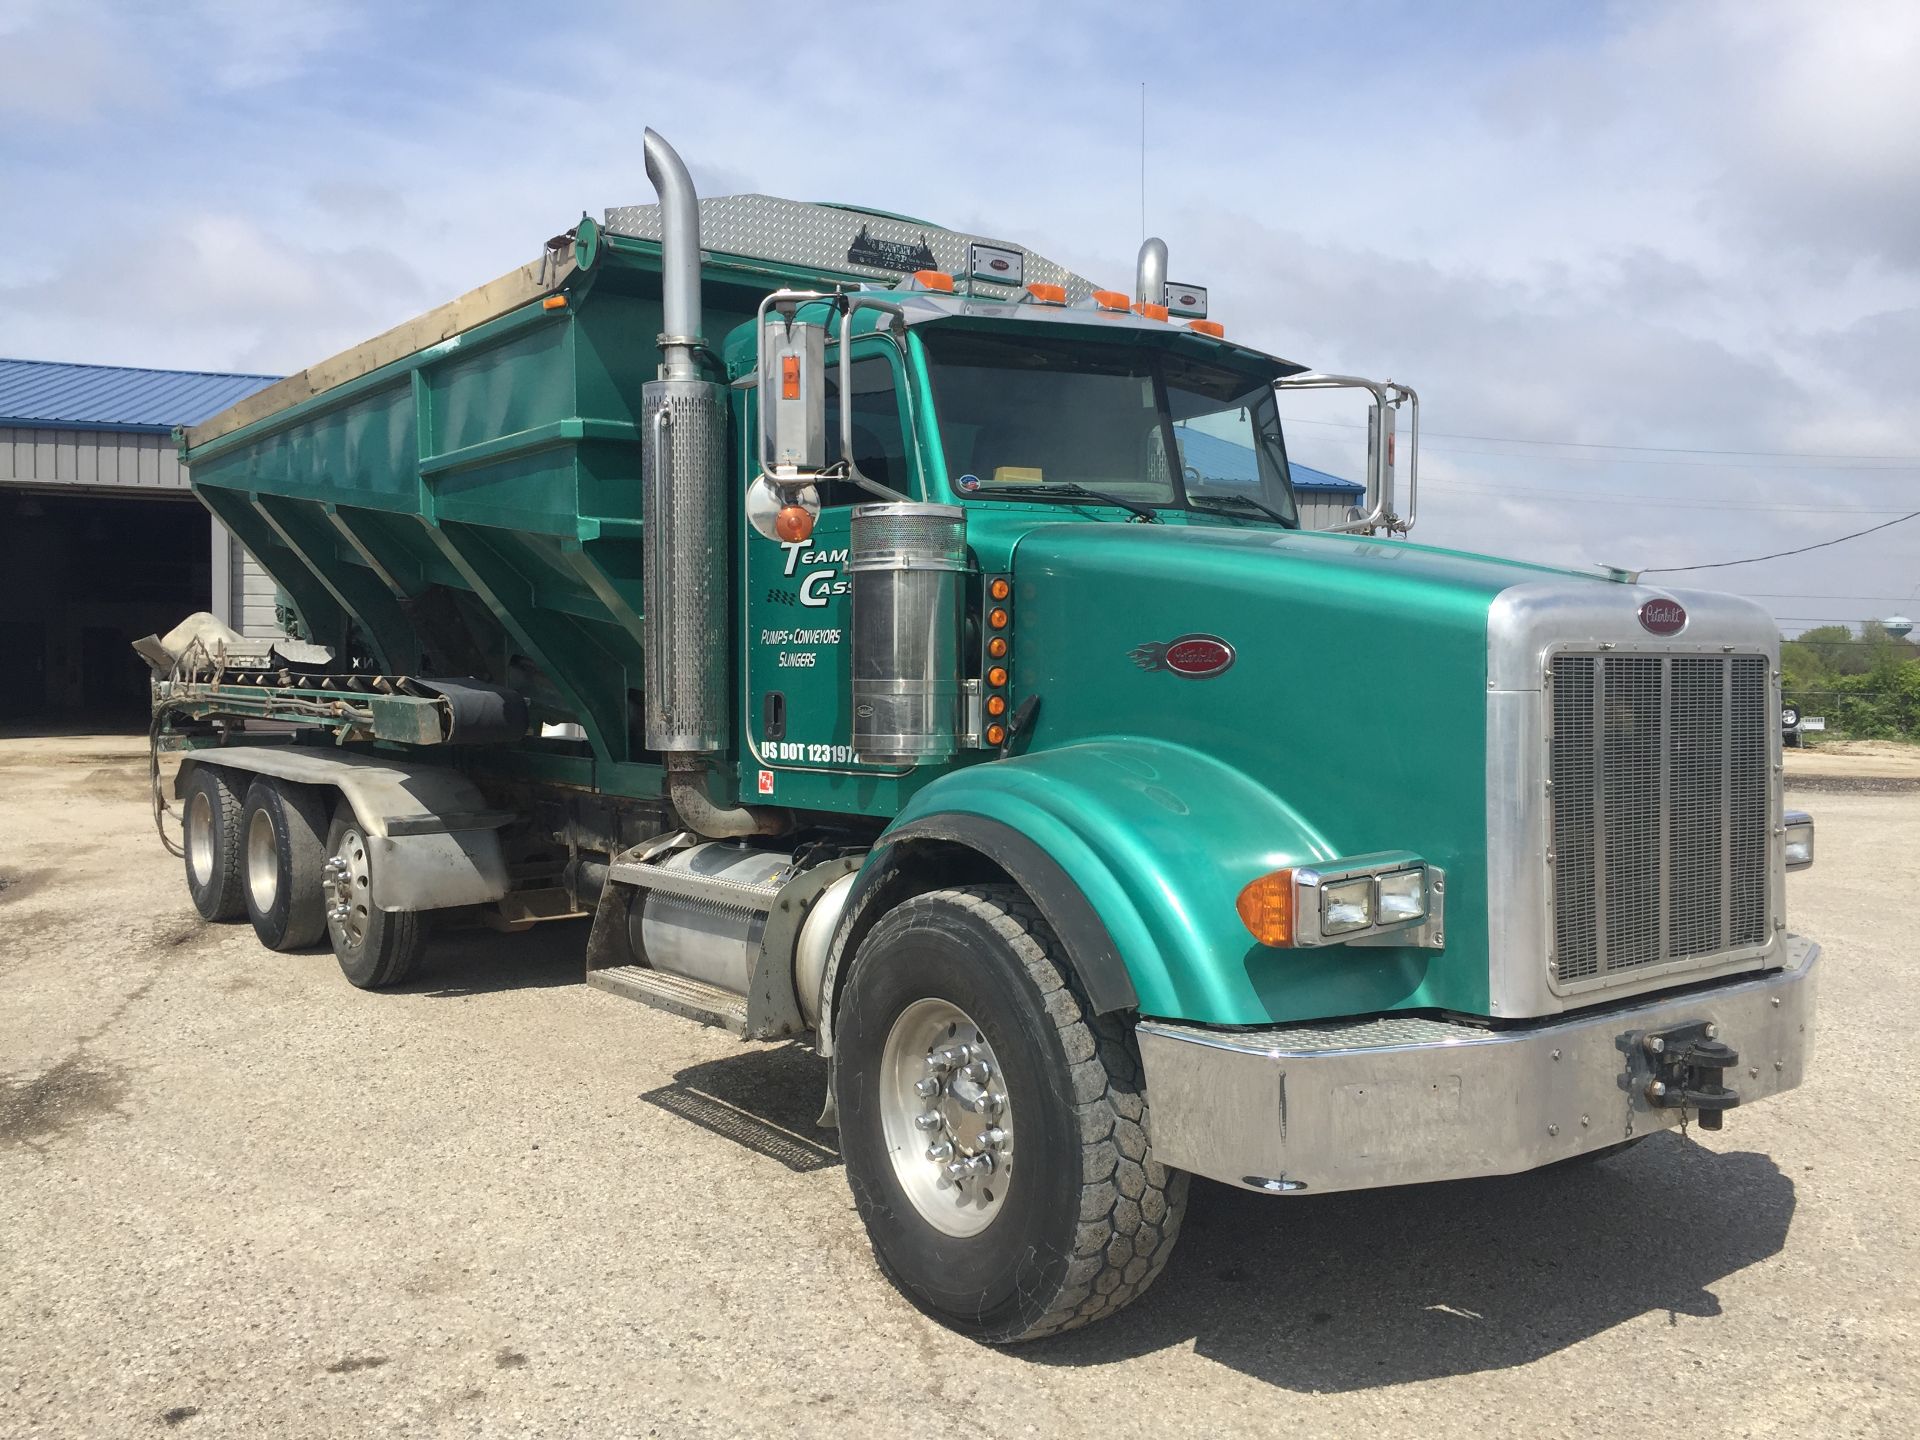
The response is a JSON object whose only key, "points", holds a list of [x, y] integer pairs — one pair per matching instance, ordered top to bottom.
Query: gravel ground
{"points": [[238, 1197]]}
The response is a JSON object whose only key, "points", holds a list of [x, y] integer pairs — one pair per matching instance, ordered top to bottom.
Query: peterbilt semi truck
{"points": [[898, 644]]}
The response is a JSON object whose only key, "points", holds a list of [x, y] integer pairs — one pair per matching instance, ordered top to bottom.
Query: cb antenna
{"points": [[1143, 160]]}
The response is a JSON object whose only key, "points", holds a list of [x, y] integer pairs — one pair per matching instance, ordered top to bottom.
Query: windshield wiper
{"points": [[1067, 490], [1216, 502]]}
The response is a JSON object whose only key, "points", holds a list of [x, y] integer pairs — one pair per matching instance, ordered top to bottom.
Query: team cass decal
{"points": [[818, 586], [1193, 657]]}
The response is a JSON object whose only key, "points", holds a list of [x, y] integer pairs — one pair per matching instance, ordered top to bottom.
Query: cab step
{"points": [[694, 999]]}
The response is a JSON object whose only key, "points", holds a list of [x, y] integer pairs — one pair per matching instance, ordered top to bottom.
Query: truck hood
{"points": [[1356, 696]]}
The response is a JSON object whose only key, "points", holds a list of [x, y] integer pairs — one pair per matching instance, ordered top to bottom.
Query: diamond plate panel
{"points": [[850, 242]]}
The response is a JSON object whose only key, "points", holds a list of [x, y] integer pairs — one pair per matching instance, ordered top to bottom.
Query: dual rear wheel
{"points": [[273, 853]]}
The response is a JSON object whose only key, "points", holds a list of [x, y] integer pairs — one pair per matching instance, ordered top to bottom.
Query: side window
{"points": [[879, 432]]}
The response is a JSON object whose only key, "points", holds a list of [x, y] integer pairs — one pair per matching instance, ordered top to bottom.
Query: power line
{"points": [[1907, 460], [1781, 554]]}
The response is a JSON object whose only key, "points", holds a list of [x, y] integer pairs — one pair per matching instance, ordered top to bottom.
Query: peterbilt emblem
{"points": [[1663, 617], [1194, 657]]}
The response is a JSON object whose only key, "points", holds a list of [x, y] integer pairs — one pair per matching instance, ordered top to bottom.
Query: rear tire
{"points": [[284, 827], [211, 841], [376, 948], [1071, 1217]]}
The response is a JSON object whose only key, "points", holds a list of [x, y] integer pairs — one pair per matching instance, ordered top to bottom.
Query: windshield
{"points": [[1018, 411]]}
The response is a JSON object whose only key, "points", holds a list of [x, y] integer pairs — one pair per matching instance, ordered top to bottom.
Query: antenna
{"points": [[1143, 160]]}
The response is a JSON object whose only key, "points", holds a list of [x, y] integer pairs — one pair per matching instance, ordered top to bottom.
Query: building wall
{"points": [[111, 459], [1321, 510]]}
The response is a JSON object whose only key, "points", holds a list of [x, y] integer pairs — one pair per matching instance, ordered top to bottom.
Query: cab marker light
{"points": [[934, 280], [1048, 294], [1111, 300], [554, 302], [1208, 327]]}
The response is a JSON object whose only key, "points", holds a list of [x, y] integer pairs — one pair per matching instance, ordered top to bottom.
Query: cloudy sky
{"points": [[1655, 269]]}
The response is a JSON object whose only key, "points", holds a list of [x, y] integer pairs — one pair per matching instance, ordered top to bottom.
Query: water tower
{"points": [[1898, 626]]}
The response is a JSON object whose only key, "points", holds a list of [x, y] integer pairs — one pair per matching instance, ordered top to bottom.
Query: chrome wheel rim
{"points": [[200, 838], [263, 862], [349, 886], [946, 1117]]}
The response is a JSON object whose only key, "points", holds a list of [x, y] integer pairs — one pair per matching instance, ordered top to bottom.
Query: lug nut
{"points": [[977, 1071], [926, 1089], [995, 1102], [927, 1122], [995, 1137], [940, 1153], [980, 1166], [958, 1170]]}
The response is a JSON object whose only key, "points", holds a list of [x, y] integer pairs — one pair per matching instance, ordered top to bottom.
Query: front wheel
{"points": [[994, 1128]]}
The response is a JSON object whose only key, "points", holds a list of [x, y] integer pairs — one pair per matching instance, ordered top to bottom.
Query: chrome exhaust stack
{"points": [[1150, 275], [683, 437]]}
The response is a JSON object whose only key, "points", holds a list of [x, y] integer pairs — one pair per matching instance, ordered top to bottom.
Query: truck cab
{"points": [[898, 644]]}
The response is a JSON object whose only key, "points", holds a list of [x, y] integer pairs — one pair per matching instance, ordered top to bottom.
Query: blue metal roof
{"points": [[115, 397], [1218, 458]]}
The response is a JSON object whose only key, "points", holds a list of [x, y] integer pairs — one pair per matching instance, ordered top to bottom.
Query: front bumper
{"points": [[1398, 1100]]}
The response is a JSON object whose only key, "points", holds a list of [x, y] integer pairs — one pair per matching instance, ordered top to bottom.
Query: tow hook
{"points": [[1688, 1062]]}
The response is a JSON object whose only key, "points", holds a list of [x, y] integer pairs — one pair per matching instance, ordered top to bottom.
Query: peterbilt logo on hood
{"points": [[1663, 617], [1194, 657]]}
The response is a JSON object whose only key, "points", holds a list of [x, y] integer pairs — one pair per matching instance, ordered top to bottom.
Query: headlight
{"points": [[1799, 833], [1403, 896], [1379, 899], [1346, 906]]}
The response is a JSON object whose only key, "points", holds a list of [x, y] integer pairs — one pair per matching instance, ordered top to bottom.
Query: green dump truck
{"points": [[855, 619]]}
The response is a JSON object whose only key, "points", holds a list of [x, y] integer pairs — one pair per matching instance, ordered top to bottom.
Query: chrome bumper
{"points": [[1400, 1100]]}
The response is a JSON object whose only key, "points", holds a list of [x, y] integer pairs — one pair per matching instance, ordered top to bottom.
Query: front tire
{"points": [[282, 832], [376, 948], [964, 1040]]}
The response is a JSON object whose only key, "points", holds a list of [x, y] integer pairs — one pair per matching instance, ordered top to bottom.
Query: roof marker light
{"points": [[934, 280], [1048, 294], [1111, 299], [554, 302], [1150, 310], [1208, 327]]}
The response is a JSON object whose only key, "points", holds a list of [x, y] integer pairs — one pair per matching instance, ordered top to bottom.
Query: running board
{"points": [[694, 999]]}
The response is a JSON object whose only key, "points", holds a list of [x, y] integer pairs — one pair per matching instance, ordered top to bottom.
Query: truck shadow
{"points": [[472, 960], [1353, 1291]]}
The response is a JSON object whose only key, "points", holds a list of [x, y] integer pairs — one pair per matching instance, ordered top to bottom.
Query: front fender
{"points": [[1158, 841]]}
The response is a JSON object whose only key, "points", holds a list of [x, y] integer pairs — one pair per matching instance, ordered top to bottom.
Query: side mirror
{"points": [[793, 396]]}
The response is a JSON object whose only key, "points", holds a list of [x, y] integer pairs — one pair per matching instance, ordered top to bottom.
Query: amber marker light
{"points": [[935, 280], [1048, 294], [1111, 299], [554, 302], [1151, 311], [1208, 327], [789, 377], [793, 524], [999, 589], [997, 618], [997, 647], [997, 676], [996, 705], [996, 734], [1266, 908]]}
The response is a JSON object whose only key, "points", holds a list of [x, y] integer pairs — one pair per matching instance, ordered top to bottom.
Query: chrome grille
{"points": [[1659, 810]]}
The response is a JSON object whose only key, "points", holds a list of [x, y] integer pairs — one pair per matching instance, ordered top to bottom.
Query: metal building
{"points": [[1324, 499], [101, 541]]}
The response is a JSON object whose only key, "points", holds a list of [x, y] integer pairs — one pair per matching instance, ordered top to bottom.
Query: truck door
{"points": [[799, 713]]}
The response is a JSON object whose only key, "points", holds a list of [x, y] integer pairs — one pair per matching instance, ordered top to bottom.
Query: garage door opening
{"points": [[81, 578]]}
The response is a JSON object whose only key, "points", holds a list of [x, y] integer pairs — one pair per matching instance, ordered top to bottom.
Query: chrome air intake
{"points": [[908, 562]]}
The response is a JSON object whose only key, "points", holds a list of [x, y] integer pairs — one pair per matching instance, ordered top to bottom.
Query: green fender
{"points": [[1159, 840]]}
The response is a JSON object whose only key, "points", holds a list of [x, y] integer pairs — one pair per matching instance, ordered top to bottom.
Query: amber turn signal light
{"points": [[793, 524], [1266, 908]]}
